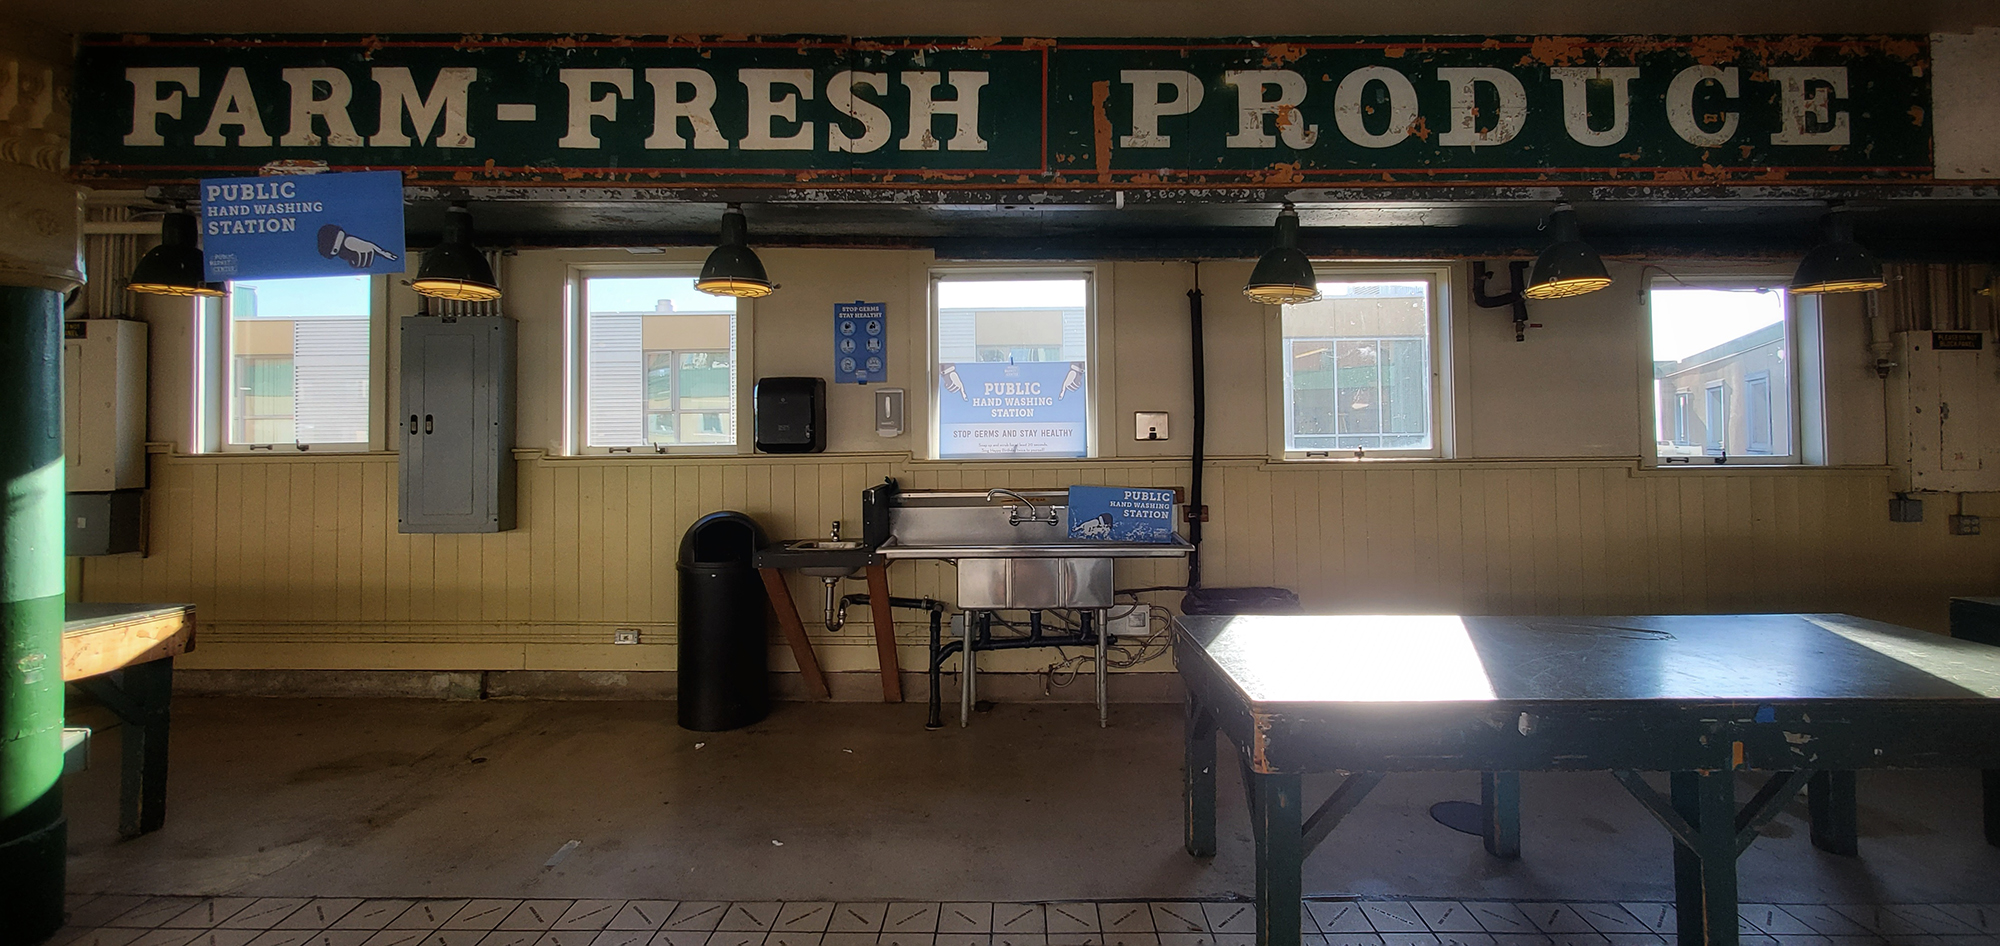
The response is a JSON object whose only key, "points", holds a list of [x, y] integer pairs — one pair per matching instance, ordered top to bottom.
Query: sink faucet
{"points": [[1014, 517], [835, 534]]}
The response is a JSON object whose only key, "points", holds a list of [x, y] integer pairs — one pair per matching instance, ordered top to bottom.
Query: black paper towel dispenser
{"points": [[790, 414]]}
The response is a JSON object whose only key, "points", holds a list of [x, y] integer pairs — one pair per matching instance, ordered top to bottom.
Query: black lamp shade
{"points": [[1837, 264], [174, 267], [1568, 267], [456, 269], [734, 269], [1283, 275]]}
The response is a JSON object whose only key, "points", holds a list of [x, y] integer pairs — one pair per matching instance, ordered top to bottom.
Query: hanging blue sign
{"points": [[288, 226], [860, 342], [1038, 408]]}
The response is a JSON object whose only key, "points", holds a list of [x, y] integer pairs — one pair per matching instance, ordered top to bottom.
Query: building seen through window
{"points": [[298, 360], [660, 363], [1357, 368], [1722, 374]]}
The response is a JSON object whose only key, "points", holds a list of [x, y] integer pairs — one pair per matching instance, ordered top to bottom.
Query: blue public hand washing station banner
{"points": [[289, 226], [860, 342], [994, 407], [1121, 514]]}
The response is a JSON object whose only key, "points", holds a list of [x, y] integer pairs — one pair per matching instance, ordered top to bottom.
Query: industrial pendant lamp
{"points": [[1837, 264], [174, 267], [1569, 267], [455, 269], [734, 269], [1284, 276]]}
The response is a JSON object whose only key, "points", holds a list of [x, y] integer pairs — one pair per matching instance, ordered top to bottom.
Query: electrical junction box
{"points": [[104, 404], [1944, 414], [1131, 623]]}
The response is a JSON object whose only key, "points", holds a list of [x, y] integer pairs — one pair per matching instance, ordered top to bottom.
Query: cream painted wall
{"points": [[295, 562]]}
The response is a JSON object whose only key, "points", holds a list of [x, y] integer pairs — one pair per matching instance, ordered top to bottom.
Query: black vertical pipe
{"points": [[1200, 432]]}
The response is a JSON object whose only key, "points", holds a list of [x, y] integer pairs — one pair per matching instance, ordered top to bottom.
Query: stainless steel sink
{"points": [[820, 558], [1002, 565]]}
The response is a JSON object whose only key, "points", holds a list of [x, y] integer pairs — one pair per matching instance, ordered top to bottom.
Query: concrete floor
{"points": [[407, 798]]}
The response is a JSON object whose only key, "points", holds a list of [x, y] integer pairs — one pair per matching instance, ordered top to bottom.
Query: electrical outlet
{"points": [[1964, 525], [1135, 624], [625, 635]]}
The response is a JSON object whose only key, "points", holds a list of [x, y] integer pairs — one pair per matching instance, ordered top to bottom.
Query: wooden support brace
{"points": [[795, 632], [885, 632]]}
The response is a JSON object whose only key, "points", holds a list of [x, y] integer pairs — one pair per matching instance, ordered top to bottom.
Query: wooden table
{"points": [[123, 656], [1696, 696]]}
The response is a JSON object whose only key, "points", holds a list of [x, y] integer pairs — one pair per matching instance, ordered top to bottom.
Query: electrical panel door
{"points": [[1944, 413], [457, 424]]}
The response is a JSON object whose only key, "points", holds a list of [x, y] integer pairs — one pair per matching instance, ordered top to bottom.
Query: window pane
{"points": [[654, 349], [299, 360], [1013, 367], [1358, 372], [1722, 381]]}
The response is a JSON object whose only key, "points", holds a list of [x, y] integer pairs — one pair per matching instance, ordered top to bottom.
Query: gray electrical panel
{"points": [[457, 424]]}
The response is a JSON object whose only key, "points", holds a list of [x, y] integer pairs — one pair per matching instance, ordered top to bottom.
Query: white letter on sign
{"points": [[399, 95], [1576, 102], [148, 104], [235, 105], [1799, 105], [583, 106], [1680, 106], [1148, 107], [333, 109], [669, 109], [764, 109], [965, 109], [1250, 110], [1513, 110], [1349, 113], [874, 121]]}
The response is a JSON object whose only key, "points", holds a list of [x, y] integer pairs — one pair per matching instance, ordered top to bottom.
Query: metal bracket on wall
{"points": [[1518, 273]]}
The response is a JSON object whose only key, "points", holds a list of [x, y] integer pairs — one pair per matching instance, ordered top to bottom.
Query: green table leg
{"points": [[140, 696], [1198, 779], [1989, 789], [1500, 810], [1835, 827], [1280, 858], [1705, 872]]}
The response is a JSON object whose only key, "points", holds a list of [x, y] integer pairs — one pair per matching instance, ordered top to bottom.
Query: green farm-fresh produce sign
{"points": [[812, 112]]}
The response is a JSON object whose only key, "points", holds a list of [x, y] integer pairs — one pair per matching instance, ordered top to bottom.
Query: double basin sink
{"points": [[1008, 556]]}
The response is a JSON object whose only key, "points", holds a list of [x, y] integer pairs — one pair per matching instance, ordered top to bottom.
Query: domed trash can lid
{"points": [[722, 539]]}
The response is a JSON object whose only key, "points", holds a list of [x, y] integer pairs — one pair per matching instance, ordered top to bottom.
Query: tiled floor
{"points": [[115, 920]]}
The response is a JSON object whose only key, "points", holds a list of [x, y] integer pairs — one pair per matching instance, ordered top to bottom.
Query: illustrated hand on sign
{"points": [[360, 253]]}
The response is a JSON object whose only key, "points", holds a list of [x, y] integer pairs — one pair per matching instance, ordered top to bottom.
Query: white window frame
{"points": [[1442, 292], [1096, 334], [214, 367], [576, 396], [1803, 398]]}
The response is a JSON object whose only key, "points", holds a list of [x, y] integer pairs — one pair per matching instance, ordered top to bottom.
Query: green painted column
{"points": [[33, 832]]}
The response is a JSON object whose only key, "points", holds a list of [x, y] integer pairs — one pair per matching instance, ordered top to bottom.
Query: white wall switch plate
{"points": [[1150, 425]]}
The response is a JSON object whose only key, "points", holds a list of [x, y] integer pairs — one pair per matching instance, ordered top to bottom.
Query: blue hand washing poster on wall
{"points": [[289, 226], [860, 342], [994, 407], [1121, 514]]}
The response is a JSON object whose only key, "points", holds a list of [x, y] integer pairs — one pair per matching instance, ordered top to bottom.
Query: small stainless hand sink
{"points": [[820, 558]]}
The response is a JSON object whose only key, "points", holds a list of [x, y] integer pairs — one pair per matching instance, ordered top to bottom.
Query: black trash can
{"points": [[724, 664]]}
